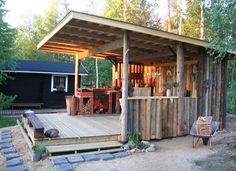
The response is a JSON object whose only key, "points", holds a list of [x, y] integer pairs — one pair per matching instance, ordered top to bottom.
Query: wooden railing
{"points": [[161, 117]]}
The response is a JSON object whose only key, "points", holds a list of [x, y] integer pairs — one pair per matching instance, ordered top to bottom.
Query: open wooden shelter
{"points": [[147, 57]]}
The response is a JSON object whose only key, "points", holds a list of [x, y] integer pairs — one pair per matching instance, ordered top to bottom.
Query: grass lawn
{"points": [[5, 122]]}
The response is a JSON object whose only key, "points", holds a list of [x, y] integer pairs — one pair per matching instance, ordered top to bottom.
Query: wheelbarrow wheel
{"points": [[205, 141]]}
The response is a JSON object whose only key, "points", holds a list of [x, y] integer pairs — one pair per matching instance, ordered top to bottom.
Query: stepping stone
{"points": [[6, 131], [4, 134], [3, 137], [5, 141], [6, 145], [8, 150], [120, 154], [11, 156], [106, 156], [90, 157], [75, 159], [58, 161], [14, 162], [64, 167], [16, 168]]}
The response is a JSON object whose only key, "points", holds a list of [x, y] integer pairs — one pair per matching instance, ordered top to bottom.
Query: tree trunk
{"points": [[202, 34]]}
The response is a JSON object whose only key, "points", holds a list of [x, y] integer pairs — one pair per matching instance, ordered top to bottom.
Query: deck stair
{"points": [[88, 148]]}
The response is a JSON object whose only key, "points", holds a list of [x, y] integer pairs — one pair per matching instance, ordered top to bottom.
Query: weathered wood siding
{"points": [[211, 88], [159, 117]]}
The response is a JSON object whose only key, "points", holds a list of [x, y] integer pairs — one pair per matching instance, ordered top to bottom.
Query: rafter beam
{"points": [[117, 44]]}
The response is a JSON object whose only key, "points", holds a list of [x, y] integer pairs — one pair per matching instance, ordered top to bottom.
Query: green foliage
{"points": [[141, 12], [192, 20], [222, 23], [35, 29], [7, 36], [104, 73], [5, 101], [6, 122], [134, 140], [38, 148]]}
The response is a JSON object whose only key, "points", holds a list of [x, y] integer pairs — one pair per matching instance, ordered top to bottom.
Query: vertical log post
{"points": [[77, 68], [180, 69], [181, 87], [124, 114]]}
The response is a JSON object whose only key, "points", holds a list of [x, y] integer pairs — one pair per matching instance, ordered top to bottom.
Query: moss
{"points": [[233, 157], [199, 162]]}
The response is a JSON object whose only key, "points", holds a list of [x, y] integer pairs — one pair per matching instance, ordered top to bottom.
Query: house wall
{"points": [[36, 88]]}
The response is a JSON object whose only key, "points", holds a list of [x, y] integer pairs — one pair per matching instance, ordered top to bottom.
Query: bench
{"points": [[39, 105], [33, 122]]}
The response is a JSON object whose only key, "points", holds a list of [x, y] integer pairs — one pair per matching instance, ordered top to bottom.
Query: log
{"points": [[77, 68], [125, 87]]}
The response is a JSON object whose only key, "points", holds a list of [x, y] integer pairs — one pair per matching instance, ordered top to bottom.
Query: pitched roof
{"points": [[46, 67]]}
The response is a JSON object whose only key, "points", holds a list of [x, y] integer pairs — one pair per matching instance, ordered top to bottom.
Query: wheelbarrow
{"points": [[203, 128]]}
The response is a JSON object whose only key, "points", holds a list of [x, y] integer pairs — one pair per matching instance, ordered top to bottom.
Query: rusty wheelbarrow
{"points": [[203, 128]]}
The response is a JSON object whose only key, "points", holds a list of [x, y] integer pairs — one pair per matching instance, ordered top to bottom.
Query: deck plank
{"points": [[81, 126]]}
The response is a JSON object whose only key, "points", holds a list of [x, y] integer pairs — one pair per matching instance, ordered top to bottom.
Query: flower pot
{"points": [[168, 92], [36, 156]]}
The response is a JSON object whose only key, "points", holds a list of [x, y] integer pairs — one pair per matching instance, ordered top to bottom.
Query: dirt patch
{"points": [[225, 144], [172, 154]]}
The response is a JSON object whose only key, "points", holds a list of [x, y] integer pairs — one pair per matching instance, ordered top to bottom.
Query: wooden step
{"points": [[82, 148], [115, 150]]}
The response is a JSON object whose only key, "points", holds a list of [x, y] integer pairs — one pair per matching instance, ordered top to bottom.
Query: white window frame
{"points": [[52, 81]]}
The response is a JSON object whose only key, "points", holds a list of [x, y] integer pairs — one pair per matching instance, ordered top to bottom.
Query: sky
{"points": [[20, 11]]}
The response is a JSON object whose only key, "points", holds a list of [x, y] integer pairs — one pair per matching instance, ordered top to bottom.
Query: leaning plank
{"points": [[180, 116], [129, 117], [170, 117], [143, 118], [153, 118], [164, 118], [175, 118], [159, 119], [148, 120]]}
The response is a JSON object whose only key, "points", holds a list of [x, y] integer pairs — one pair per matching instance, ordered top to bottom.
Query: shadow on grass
{"points": [[5, 122]]}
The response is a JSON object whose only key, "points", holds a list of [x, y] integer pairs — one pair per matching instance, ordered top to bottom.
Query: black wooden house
{"points": [[42, 82]]}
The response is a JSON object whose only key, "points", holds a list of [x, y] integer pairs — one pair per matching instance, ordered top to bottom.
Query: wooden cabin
{"points": [[152, 61], [41, 83]]}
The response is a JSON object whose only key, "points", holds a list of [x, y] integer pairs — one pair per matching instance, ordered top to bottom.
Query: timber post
{"points": [[77, 68], [181, 89], [124, 114]]}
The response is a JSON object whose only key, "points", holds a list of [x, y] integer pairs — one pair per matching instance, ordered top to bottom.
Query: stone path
{"points": [[13, 160], [65, 163]]}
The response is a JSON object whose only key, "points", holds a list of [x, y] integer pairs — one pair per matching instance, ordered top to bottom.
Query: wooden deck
{"points": [[80, 129]]}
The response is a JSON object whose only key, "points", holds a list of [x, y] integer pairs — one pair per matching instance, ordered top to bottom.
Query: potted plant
{"points": [[168, 86], [37, 151]]}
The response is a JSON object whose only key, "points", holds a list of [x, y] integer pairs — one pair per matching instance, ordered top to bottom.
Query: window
{"points": [[59, 83]]}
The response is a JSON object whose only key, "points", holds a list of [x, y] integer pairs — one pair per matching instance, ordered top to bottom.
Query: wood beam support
{"points": [[117, 44], [77, 69], [180, 69], [125, 80], [182, 127]]}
